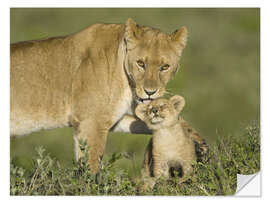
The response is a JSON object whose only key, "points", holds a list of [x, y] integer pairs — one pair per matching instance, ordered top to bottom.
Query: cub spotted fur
{"points": [[91, 80], [170, 147]]}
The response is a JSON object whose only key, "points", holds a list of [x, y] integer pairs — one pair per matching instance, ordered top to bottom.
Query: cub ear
{"points": [[132, 33], [179, 39], [178, 102], [140, 111]]}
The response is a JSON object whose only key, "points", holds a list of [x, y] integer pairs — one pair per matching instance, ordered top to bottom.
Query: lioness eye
{"points": [[141, 64], [164, 67]]}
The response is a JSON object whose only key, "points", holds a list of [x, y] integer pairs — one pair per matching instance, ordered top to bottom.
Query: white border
{"points": [[136, 3], [265, 96]]}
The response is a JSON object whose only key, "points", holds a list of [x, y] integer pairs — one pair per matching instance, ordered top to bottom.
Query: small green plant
{"points": [[214, 175]]}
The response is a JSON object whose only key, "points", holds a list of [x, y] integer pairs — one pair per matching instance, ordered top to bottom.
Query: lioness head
{"points": [[152, 58], [160, 112]]}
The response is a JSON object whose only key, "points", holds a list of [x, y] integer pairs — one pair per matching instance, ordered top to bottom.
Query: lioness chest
{"points": [[123, 105]]}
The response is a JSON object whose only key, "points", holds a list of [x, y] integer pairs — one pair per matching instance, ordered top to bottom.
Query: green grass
{"points": [[215, 175]]}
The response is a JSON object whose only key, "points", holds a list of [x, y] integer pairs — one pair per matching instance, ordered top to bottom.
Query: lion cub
{"points": [[170, 147]]}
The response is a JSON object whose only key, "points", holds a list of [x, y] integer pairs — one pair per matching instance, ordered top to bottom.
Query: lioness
{"points": [[91, 80], [170, 147]]}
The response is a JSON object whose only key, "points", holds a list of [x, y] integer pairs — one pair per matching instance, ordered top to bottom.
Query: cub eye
{"points": [[141, 64], [164, 67], [162, 106]]}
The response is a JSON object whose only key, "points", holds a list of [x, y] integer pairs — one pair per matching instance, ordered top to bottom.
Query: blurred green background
{"points": [[219, 75]]}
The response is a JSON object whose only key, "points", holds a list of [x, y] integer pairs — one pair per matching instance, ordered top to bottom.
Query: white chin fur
{"points": [[146, 101], [156, 120]]}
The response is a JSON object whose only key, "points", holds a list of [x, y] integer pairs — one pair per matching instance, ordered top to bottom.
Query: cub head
{"points": [[152, 58], [160, 112]]}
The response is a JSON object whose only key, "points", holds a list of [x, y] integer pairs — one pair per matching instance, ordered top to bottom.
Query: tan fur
{"points": [[89, 80], [170, 146]]}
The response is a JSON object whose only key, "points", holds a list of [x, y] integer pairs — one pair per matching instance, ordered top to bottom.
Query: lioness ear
{"points": [[132, 33], [179, 39], [178, 102], [140, 111]]}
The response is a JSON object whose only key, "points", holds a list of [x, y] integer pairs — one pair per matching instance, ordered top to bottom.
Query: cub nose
{"points": [[149, 93], [154, 110]]}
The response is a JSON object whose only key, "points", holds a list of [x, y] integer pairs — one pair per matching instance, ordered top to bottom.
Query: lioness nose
{"points": [[149, 93]]}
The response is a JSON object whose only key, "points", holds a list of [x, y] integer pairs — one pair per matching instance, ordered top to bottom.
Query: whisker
{"points": [[168, 92]]}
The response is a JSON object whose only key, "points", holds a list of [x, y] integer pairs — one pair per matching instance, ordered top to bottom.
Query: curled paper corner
{"points": [[248, 185]]}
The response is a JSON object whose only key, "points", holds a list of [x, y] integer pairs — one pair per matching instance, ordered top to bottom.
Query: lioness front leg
{"points": [[130, 124], [96, 137]]}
